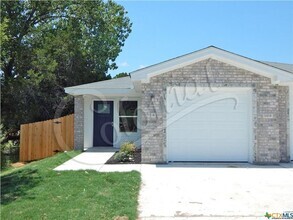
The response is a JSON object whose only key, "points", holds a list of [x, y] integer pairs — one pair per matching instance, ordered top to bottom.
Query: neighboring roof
{"points": [[283, 66], [277, 72], [118, 83]]}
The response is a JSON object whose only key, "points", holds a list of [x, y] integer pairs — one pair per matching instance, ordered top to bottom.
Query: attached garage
{"points": [[206, 124]]}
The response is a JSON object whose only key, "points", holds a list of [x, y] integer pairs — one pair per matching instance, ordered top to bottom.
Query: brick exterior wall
{"points": [[270, 107], [78, 122], [284, 123]]}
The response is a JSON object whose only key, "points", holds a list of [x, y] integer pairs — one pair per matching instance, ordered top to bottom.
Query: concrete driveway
{"points": [[215, 191]]}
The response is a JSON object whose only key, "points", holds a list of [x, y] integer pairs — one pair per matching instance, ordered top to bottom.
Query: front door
{"points": [[103, 123]]}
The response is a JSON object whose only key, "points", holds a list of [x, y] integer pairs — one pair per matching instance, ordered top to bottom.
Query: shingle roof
{"points": [[284, 66]]}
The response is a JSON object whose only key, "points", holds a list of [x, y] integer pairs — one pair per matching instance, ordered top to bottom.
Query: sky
{"points": [[163, 30]]}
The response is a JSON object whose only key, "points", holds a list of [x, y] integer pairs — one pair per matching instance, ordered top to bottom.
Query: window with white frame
{"points": [[128, 116]]}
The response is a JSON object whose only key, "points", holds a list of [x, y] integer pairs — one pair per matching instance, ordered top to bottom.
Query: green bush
{"points": [[128, 147], [9, 149], [126, 152], [122, 157]]}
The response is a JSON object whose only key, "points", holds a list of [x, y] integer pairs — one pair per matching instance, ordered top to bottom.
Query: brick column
{"points": [[283, 99], [78, 122], [268, 146]]}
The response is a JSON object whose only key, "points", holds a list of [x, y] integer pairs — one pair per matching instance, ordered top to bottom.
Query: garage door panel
{"points": [[227, 98], [211, 107], [233, 118], [231, 123], [218, 131], [215, 133], [209, 154]]}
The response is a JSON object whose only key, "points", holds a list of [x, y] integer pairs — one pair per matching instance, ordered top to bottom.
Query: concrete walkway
{"points": [[95, 159]]}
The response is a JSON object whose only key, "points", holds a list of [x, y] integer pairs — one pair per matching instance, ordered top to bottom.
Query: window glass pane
{"points": [[104, 108], [128, 108], [128, 124]]}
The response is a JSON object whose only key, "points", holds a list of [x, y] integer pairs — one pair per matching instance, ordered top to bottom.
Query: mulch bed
{"points": [[136, 159]]}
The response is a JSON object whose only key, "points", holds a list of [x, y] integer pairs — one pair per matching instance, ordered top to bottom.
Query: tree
{"points": [[49, 45], [119, 75]]}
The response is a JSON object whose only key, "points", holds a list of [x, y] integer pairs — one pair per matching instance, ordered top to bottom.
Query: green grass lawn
{"points": [[35, 191]]}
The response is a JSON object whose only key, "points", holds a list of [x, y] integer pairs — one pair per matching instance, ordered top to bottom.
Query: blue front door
{"points": [[103, 123]]}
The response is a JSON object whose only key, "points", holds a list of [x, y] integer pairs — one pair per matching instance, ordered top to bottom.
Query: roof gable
{"points": [[278, 75]]}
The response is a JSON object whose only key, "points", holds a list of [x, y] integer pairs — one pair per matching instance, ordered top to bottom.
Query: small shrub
{"points": [[128, 147], [126, 152], [122, 157]]}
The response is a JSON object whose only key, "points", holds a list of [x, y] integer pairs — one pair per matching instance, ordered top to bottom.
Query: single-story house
{"points": [[208, 105]]}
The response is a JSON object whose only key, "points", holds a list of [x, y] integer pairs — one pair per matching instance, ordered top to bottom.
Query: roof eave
{"points": [[100, 92]]}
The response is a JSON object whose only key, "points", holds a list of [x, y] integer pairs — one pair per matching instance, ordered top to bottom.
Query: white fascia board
{"points": [[275, 74], [118, 83], [101, 92]]}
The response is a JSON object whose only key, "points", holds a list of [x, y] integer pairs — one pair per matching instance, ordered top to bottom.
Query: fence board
{"points": [[41, 139], [30, 140]]}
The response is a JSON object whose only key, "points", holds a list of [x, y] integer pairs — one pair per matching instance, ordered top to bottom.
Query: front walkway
{"points": [[95, 159]]}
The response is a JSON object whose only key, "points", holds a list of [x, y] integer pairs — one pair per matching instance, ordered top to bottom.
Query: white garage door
{"points": [[205, 125]]}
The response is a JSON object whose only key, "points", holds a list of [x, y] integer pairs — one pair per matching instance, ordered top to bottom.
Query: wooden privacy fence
{"points": [[43, 139]]}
